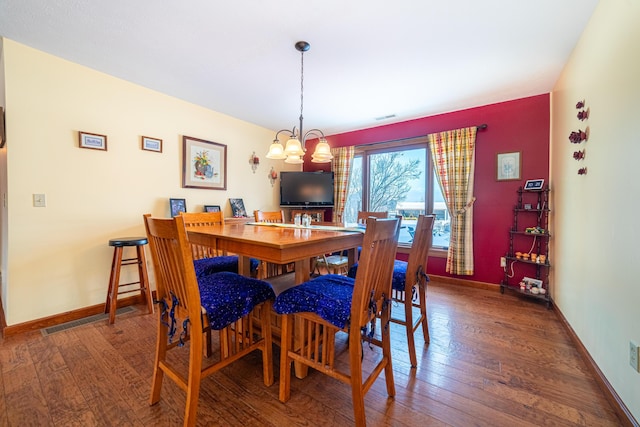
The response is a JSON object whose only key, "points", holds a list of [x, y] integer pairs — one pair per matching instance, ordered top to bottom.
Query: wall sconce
{"points": [[254, 161], [273, 175]]}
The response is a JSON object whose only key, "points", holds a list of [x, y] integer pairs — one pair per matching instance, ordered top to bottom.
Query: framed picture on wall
{"points": [[93, 141], [152, 144], [204, 164], [508, 166]]}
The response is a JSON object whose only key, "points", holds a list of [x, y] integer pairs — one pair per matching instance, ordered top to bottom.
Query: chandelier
{"points": [[294, 150]]}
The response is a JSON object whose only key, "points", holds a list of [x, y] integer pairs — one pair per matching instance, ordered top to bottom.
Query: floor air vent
{"points": [[84, 321]]}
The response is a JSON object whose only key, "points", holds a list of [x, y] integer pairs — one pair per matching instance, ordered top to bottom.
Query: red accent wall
{"points": [[519, 125]]}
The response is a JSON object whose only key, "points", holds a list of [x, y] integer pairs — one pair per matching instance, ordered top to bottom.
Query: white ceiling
{"points": [[368, 58]]}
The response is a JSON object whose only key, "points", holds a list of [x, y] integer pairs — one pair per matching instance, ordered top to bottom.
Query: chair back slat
{"points": [[273, 217], [203, 219], [419, 253], [173, 266], [375, 269]]}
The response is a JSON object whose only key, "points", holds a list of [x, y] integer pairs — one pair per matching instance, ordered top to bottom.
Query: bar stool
{"points": [[114, 280]]}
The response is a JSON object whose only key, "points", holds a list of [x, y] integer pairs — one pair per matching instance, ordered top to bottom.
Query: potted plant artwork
{"points": [[202, 165]]}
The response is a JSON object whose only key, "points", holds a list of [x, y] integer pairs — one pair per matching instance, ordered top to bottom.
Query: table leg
{"points": [[244, 265]]}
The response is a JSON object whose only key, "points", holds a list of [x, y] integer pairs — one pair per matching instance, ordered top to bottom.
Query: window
{"points": [[398, 178]]}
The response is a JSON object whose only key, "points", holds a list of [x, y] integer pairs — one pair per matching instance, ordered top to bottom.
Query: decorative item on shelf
{"points": [[583, 114], [579, 136], [294, 150], [578, 155], [254, 161], [582, 171], [273, 175], [237, 208], [534, 230]]}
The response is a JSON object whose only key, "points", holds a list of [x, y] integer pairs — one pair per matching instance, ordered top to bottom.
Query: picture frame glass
{"points": [[92, 141], [152, 144], [204, 164], [508, 166], [176, 206], [237, 208]]}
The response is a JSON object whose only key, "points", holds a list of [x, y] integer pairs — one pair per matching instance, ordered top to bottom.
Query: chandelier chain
{"points": [[301, 90]]}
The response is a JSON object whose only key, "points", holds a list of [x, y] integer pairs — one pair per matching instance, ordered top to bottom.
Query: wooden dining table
{"points": [[279, 244]]}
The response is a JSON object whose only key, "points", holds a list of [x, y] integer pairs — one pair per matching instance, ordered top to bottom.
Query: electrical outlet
{"points": [[503, 261], [633, 356]]}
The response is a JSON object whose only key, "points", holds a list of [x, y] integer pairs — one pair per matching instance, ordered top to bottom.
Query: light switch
{"points": [[39, 201]]}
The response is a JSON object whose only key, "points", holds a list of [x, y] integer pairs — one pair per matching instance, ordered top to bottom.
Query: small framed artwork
{"points": [[93, 141], [152, 144], [204, 164], [508, 166], [534, 184], [176, 206], [211, 208], [237, 208]]}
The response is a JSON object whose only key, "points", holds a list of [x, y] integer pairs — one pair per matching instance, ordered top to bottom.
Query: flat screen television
{"points": [[306, 189]]}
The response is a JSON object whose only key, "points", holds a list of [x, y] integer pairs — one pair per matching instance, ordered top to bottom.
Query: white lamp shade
{"points": [[293, 148], [276, 151], [322, 153], [294, 160]]}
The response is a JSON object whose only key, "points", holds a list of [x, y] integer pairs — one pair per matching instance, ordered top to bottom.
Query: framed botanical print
{"points": [[204, 164], [508, 166]]}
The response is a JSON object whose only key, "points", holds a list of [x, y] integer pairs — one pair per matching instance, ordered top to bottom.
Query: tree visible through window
{"points": [[398, 179]]}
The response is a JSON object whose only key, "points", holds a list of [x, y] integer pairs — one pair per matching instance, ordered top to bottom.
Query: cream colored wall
{"points": [[595, 249], [58, 258]]}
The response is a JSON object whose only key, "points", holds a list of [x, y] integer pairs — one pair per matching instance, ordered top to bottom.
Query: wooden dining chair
{"points": [[363, 215], [273, 217], [209, 259], [332, 264], [270, 269], [409, 284], [226, 302], [332, 303]]}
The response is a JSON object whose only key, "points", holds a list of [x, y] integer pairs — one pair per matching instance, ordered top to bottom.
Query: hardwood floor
{"points": [[494, 360]]}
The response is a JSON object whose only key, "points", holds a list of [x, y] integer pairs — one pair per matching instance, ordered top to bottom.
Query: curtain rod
{"points": [[482, 126]]}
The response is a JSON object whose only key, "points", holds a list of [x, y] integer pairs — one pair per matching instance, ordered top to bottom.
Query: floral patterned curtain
{"points": [[453, 154], [341, 167]]}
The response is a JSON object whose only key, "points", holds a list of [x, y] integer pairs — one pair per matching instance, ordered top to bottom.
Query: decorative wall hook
{"points": [[580, 105], [579, 136], [578, 155], [254, 161], [582, 171], [273, 175]]}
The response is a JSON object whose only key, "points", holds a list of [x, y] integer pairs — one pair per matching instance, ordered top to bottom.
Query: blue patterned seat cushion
{"points": [[206, 266], [399, 273], [229, 296], [329, 296]]}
